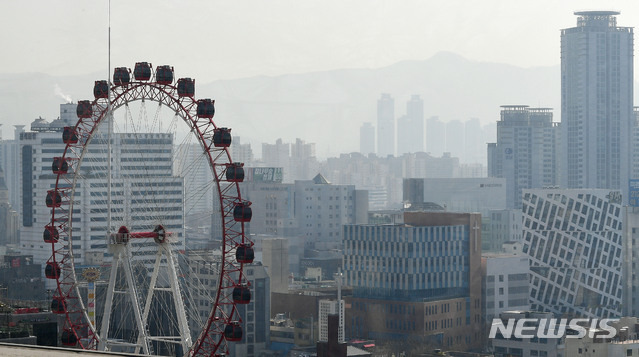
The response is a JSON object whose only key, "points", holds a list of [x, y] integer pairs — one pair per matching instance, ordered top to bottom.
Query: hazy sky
{"points": [[213, 40]]}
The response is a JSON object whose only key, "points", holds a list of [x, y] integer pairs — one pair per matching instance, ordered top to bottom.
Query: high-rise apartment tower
{"points": [[596, 101]]}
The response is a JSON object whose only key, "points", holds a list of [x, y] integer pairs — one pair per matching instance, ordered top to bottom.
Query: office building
{"points": [[596, 102], [385, 126], [525, 153], [9, 161], [144, 183], [458, 194], [9, 222], [503, 226], [574, 240], [420, 279], [506, 286]]}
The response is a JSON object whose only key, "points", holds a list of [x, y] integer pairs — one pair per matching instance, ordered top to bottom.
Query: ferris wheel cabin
{"points": [[142, 71], [164, 74], [121, 75], [186, 87], [101, 89], [205, 108], [84, 109], [69, 136], [222, 137], [59, 166], [235, 172], [53, 199], [50, 234], [244, 254], [52, 270], [241, 294], [58, 305], [233, 332], [68, 338]]}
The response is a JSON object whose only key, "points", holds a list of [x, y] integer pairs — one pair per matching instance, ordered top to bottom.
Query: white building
{"points": [[596, 102], [145, 190], [312, 211], [275, 259], [506, 286], [330, 307]]}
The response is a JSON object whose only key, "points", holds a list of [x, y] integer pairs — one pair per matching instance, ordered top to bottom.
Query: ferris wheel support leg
{"points": [[149, 296], [177, 299], [108, 304], [142, 333]]}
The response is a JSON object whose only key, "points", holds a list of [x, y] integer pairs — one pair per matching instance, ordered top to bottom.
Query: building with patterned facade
{"points": [[574, 239], [418, 281]]}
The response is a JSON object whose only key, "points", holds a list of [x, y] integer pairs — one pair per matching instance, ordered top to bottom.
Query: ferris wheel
{"points": [[145, 178]]}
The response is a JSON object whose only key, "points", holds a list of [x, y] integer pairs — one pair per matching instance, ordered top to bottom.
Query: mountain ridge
{"points": [[323, 106]]}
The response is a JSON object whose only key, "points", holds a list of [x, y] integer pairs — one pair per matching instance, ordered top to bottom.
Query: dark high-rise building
{"points": [[596, 101], [385, 125], [410, 127]]}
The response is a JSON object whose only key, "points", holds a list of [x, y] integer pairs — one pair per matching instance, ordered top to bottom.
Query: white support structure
{"points": [[119, 246], [122, 256]]}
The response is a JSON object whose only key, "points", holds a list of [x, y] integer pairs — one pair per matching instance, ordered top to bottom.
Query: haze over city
{"points": [[219, 42], [320, 178]]}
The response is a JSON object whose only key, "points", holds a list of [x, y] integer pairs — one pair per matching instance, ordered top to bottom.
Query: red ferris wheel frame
{"points": [[224, 320]]}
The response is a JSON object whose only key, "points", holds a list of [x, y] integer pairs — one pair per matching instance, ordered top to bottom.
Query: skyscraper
{"points": [[596, 101], [385, 125], [410, 127], [435, 136], [366, 139], [525, 151]]}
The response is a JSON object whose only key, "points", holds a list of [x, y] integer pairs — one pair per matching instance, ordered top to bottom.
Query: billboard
{"points": [[264, 174]]}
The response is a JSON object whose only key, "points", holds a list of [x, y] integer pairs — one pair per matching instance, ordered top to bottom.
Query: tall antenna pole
{"points": [[110, 134]]}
